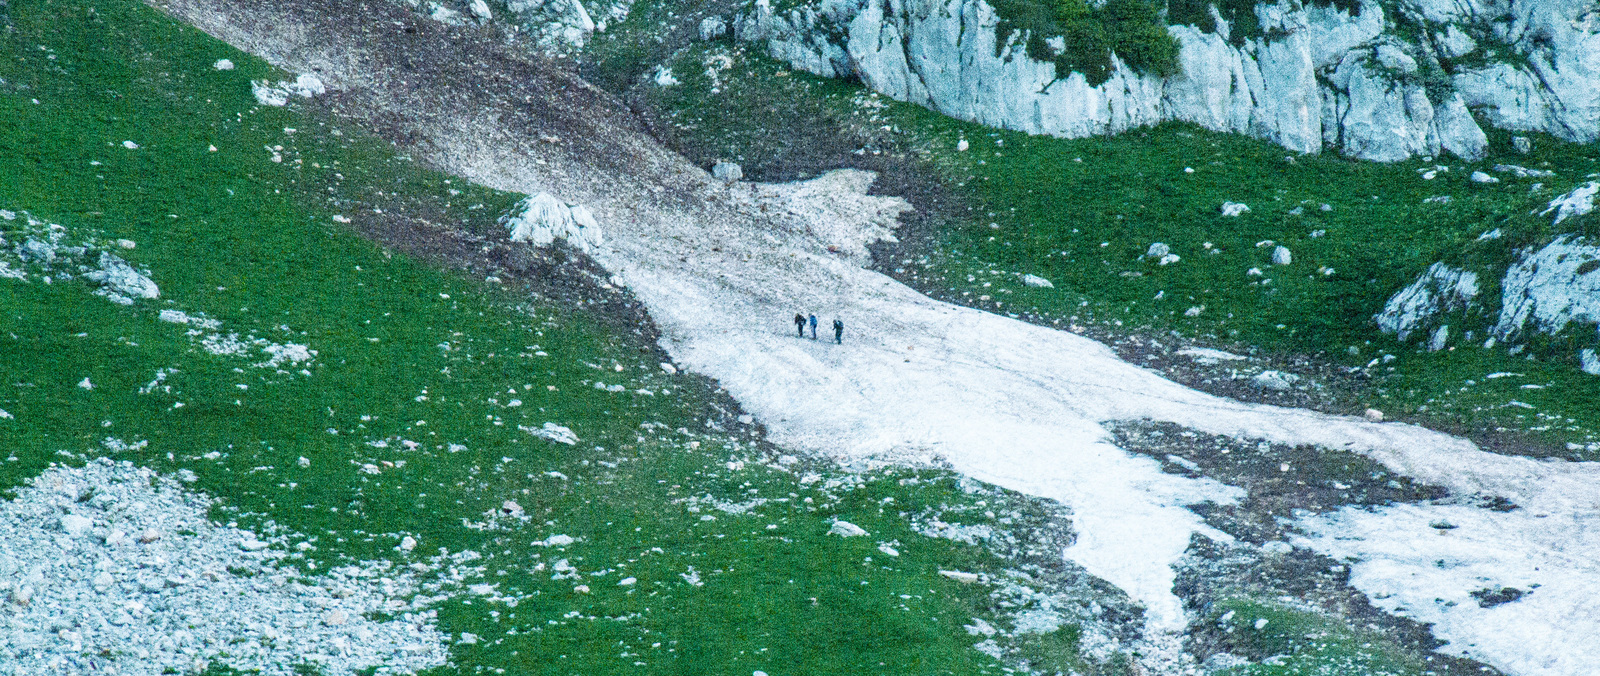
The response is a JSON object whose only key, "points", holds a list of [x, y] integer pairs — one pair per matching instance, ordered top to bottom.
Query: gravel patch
{"points": [[112, 568]]}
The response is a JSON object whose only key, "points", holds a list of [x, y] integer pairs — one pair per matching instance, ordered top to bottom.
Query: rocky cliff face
{"points": [[1317, 77]]}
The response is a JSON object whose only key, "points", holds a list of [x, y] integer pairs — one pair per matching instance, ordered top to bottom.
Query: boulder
{"points": [[712, 28], [727, 172], [1480, 177], [1576, 203], [1234, 208], [542, 219], [1281, 255], [120, 282], [1037, 282], [1547, 289], [1439, 290], [1275, 380], [75, 525], [846, 529]]}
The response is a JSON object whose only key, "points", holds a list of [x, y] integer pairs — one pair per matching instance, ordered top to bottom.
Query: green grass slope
{"points": [[408, 418]]}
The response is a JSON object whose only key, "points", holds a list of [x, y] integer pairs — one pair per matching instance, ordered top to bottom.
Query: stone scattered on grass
{"points": [[1480, 177], [1234, 208], [846, 529], [960, 576]]}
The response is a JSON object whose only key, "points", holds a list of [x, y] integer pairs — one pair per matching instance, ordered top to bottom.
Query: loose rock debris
{"points": [[114, 569]]}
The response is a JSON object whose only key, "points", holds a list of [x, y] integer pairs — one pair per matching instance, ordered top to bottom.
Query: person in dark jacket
{"points": [[813, 322], [800, 324], [838, 331]]}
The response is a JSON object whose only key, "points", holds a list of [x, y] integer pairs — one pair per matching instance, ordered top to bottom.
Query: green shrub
{"points": [[1133, 29]]}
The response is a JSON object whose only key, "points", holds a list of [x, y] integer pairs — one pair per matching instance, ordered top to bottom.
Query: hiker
{"points": [[813, 322], [800, 324], [838, 331]]}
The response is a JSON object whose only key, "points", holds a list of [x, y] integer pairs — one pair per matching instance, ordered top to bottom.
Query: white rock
{"points": [[481, 9], [713, 27], [223, 64], [663, 77], [268, 94], [1522, 144], [130, 145], [962, 146], [727, 172], [1480, 177], [1576, 203], [1234, 208], [541, 219], [1157, 250], [1281, 255], [115, 276], [1037, 282], [1439, 290], [1546, 290], [1439, 338], [1589, 362], [669, 369], [1275, 380], [85, 384], [1373, 415], [553, 432], [303, 461], [511, 508], [75, 525], [846, 529], [149, 535], [556, 541], [408, 543], [252, 545], [888, 550], [960, 576], [627, 582], [581, 589]]}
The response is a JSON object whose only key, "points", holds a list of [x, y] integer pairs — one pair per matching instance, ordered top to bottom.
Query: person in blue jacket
{"points": [[813, 322]]}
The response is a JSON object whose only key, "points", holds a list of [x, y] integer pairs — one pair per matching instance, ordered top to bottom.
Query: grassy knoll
{"points": [[407, 421]]}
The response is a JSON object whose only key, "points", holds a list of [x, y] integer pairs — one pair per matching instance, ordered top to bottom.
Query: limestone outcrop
{"points": [[1316, 76]]}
